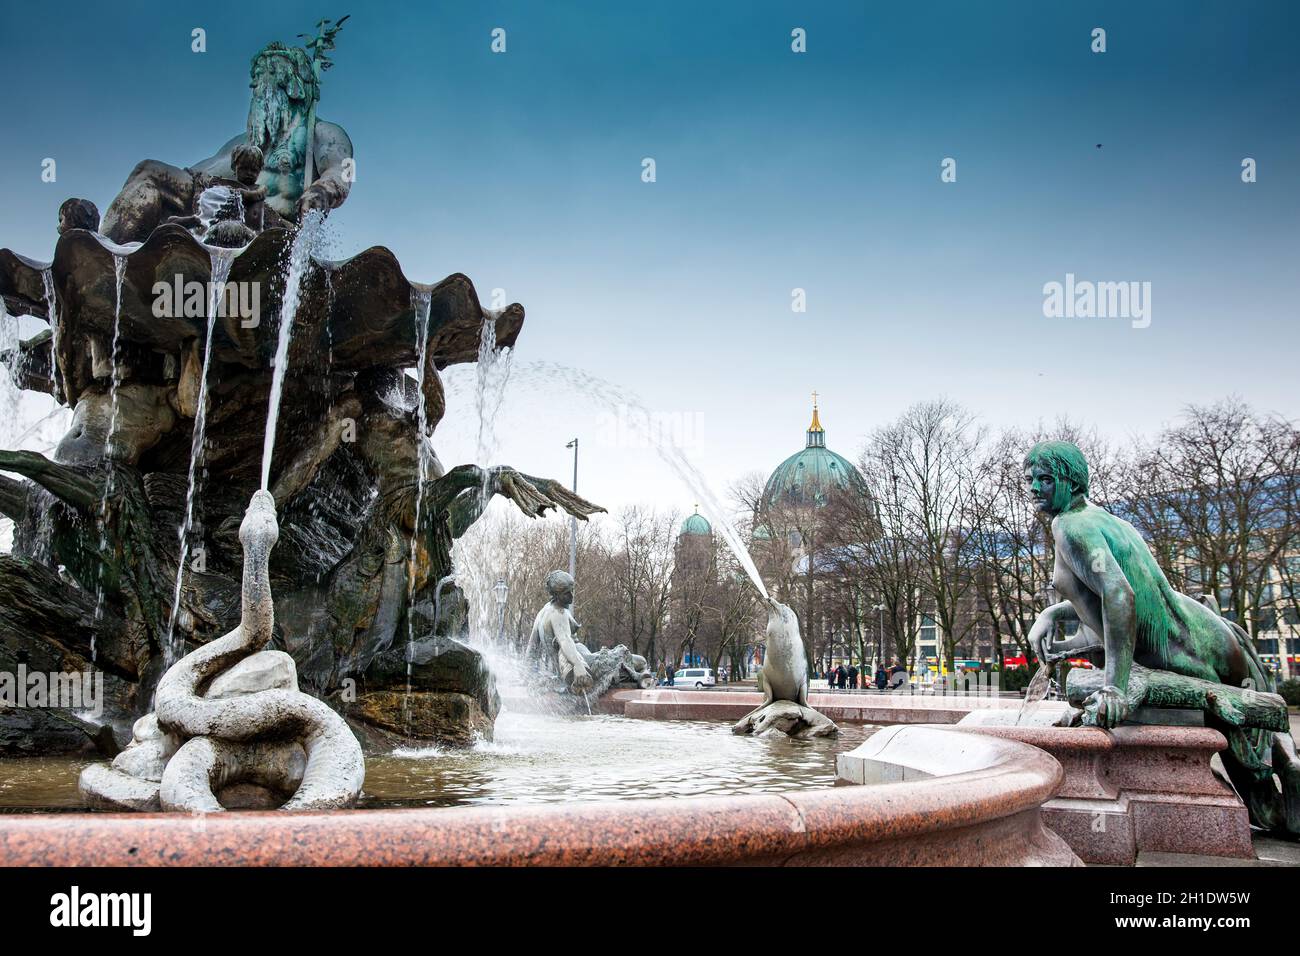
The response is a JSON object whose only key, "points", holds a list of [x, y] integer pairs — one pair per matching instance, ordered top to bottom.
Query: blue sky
{"points": [[775, 171]]}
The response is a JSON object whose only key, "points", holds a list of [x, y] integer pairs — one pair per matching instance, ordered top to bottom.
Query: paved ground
{"points": [[1271, 852]]}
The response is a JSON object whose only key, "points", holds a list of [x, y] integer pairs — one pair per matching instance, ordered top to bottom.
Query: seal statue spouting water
{"points": [[785, 683]]}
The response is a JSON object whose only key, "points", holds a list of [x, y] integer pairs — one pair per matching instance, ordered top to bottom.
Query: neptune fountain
{"points": [[211, 356]]}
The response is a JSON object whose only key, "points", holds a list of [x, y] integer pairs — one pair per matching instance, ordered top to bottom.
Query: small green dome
{"points": [[696, 524]]}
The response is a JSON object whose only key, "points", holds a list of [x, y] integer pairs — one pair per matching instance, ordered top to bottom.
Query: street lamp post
{"points": [[502, 591], [880, 634]]}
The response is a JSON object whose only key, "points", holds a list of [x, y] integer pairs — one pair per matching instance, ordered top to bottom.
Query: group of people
{"points": [[841, 677]]}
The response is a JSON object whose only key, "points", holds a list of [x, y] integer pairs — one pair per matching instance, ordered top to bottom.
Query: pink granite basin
{"points": [[986, 814]]}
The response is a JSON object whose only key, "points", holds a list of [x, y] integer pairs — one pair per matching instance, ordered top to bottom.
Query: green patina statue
{"points": [[307, 163], [1162, 649]]}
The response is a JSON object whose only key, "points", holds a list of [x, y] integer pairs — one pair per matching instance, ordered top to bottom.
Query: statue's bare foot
{"points": [[1105, 708]]}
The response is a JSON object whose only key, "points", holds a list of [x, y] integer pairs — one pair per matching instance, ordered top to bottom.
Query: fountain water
{"points": [[299, 260], [220, 271], [421, 303], [52, 305], [329, 326], [492, 374], [115, 382], [10, 396], [616, 399], [1036, 692]]}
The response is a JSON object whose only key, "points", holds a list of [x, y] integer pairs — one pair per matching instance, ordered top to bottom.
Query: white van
{"points": [[697, 677]]}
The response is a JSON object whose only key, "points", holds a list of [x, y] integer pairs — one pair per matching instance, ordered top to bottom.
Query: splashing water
{"points": [[216, 198], [299, 261], [220, 271], [52, 308], [329, 324], [492, 375], [115, 383], [10, 392], [10, 396], [484, 552], [482, 560], [1036, 692]]}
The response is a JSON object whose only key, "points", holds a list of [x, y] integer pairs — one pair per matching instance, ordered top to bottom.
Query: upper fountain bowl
{"points": [[359, 311]]}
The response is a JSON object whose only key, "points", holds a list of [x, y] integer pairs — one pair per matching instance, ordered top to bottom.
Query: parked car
{"points": [[698, 677]]}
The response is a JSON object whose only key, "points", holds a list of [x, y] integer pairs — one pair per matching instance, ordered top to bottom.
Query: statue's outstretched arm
{"points": [[65, 483], [533, 496]]}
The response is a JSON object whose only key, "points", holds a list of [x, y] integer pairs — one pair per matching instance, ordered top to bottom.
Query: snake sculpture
{"points": [[230, 729]]}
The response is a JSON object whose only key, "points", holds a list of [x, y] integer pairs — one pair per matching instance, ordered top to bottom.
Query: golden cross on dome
{"points": [[814, 398]]}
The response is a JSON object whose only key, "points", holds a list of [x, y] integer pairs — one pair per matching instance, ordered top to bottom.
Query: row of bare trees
{"points": [[944, 536], [940, 539]]}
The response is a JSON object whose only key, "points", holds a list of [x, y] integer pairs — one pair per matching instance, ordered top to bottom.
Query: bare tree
{"points": [[1216, 496]]}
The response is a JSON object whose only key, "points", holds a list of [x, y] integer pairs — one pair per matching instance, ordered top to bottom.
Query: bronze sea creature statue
{"points": [[1161, 648]]}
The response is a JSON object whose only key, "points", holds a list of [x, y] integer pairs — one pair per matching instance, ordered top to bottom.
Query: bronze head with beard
{"points": [[283, 86]]}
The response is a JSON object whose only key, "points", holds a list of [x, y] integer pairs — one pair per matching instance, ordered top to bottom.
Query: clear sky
{"points": [[775, 171]]}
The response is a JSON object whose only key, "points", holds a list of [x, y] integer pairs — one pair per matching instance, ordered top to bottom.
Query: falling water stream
{"points": [[304, 242], [220, 271], [421, 303], [52, 309], [492, 375], [114, 384], [10, 393], [616, 399], [480, 557], [1036, 692]]}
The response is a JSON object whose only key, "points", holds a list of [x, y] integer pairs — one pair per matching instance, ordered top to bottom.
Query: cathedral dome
{"points": [[811, 476]]}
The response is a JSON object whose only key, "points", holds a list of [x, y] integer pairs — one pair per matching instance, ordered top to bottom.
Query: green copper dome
{"points": [[809, 477], [696, 524]]}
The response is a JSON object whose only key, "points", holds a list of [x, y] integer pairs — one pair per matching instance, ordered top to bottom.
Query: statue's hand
{"points": [[312, 199], [1040, 637], [582, 680], [1105, 708]]}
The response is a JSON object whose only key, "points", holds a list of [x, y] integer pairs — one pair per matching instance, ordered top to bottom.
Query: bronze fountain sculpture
{"points": [[162, 345], [1160, 649]]}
